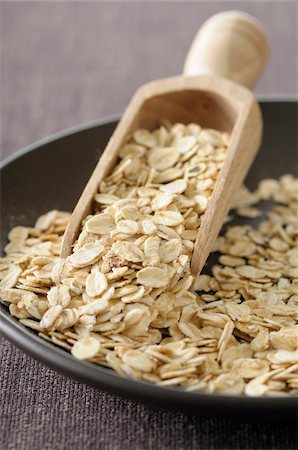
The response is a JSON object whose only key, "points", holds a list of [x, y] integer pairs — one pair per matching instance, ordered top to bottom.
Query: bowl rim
{"points": [[102, 377]]}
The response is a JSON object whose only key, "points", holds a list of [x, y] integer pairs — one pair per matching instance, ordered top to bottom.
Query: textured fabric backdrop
{"points": [[64, 63]]}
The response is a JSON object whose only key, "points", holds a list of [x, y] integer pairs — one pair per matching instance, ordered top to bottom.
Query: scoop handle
{"points": [[231, 45]]}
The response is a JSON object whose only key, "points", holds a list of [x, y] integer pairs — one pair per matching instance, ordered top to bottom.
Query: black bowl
{"points": [[51, 174]]}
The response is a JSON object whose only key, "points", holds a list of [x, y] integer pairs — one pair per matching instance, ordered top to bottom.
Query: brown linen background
{"points": [[64, 63]]}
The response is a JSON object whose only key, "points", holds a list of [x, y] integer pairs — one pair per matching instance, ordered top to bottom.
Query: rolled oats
{"points": [[123, 299]]}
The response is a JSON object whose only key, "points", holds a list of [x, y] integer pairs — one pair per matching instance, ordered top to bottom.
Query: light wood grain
{"points": [[231, 45], [208, 100]]}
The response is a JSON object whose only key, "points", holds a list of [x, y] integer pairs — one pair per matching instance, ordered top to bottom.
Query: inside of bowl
{"points": [[207, 109]]}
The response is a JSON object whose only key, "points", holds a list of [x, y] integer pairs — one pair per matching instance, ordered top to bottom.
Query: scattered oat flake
{"points": [[145, 137], [184, 144], [163, 158], [174, 187], [106, 199], [162, 201], [201, 202], [249, 212], [168, 218], [44, 221], [100, 224], [127, 226], [170, 250], [128, 251], [86, 255], [11, 277], [152, 277], [96, 284], [59, 295], [50, 316], [86, 348], [138, 360], [228, 384]]}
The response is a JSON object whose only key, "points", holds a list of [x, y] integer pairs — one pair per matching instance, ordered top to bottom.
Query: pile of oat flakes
{"points": [[124, 298]]}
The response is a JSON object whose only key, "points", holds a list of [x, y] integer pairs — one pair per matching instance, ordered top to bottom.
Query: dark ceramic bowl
{"points": [[51, 174]]}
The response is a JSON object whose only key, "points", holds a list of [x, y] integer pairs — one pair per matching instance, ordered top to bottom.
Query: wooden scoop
{"points": [[230, 45]]}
